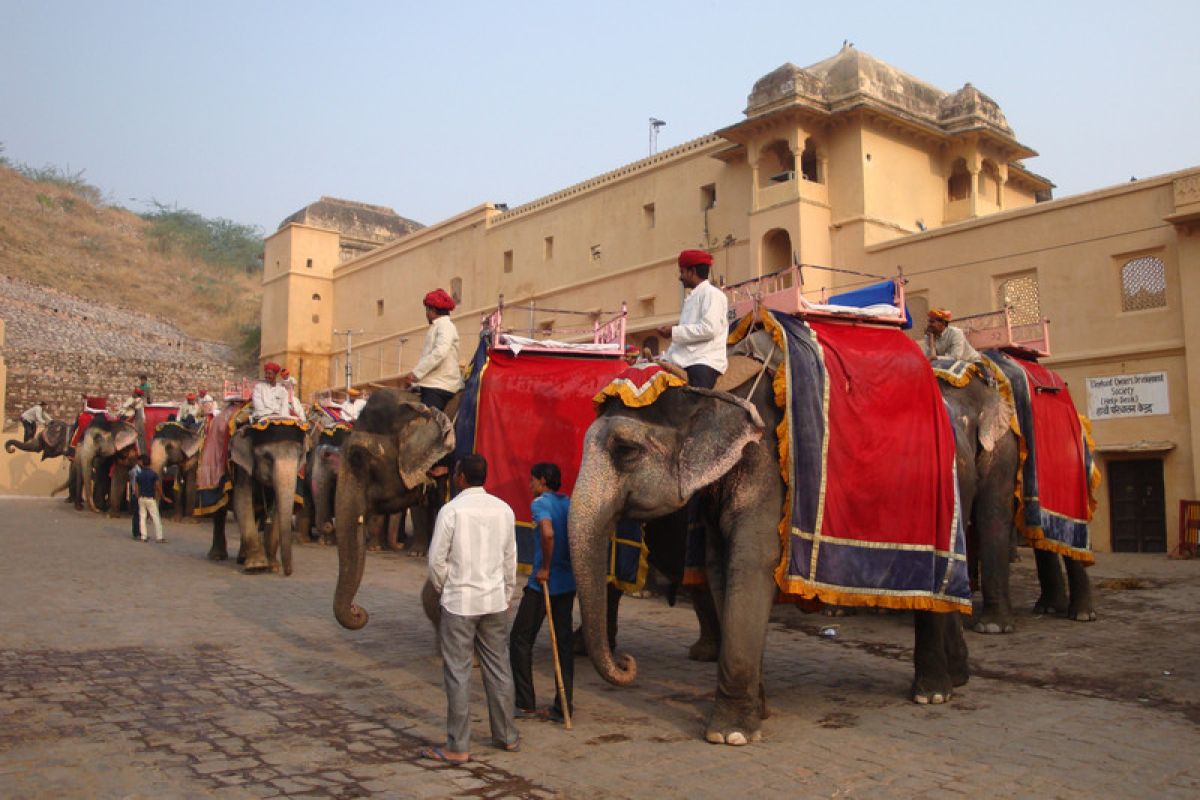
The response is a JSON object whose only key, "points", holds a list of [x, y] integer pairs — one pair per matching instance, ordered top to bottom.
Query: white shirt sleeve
{"points": [[436, 351], [439, 548], [510, 557]]}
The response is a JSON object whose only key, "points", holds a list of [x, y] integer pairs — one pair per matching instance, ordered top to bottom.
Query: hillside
{"points": [[51, 236], [92, 296]]}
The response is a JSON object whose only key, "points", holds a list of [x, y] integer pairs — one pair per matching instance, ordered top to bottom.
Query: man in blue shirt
{"points": [[149, 492], [551, 566]]}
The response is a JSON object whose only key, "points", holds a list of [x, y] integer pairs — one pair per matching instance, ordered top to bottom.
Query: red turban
{"points": [[690, 258], [440, 300], [939, 314], [271, 366], [191, 395]]}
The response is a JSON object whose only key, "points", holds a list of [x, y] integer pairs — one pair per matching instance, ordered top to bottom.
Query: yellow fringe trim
{"points": [[637, 397]]}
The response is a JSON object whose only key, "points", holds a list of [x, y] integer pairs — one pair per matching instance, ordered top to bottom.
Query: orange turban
{"points": [[939, 314]]}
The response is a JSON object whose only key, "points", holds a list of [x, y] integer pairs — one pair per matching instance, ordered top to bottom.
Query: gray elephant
{"points": [[103, 440], [52, 441], [176, 446], [988, 460], [647, 462], [266, 464], [384, 470], [320, 479]]}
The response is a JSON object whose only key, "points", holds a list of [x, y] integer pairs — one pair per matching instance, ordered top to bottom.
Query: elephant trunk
{"points": [[32, 446], [158, 456], [284, 478], [349, 506], [595, 508]]}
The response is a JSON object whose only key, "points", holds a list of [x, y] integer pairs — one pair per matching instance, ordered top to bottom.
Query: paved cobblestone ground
{"points": [[143, 670]]}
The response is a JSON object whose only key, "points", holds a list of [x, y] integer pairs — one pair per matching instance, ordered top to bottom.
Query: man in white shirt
{"points": [[942, 340], [698, 341], [437, 375], [270, 399], [207, 403], [353, 406], [189, 411], [34, 416], [473, 564]]}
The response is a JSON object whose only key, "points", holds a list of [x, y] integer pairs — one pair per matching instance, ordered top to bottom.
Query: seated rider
{"points": [[942, 340], [437, 375], [287, 380], [271, 399], [353, 405], [134, 406], [189, 411]]}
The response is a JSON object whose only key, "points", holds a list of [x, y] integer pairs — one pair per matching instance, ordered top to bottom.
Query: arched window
{"points": [[776, 163], [809, 168], [959, 185], [776, 250], [1143, 284], [456, 289], [316, 298]]}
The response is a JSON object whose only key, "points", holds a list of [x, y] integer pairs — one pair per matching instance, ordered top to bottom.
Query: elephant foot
{"points": [[327, 540], [373, 548], [415, 552], [217, 555], [255, 565], [1050, 605], [836, 611], [1081, 614], [994, 624], [704, 650], [929, 691], [732, 728]]}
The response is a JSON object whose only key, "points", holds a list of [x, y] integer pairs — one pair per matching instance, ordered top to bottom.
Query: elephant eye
{"points": [[625, 452]]}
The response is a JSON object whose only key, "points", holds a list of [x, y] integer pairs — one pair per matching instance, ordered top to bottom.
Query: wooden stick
{"points": [[562, 691]]}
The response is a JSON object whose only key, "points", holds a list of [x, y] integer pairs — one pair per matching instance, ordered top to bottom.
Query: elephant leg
{"points": [[119, 487], [285, 492], [189, 495], [987, 507], [423, 518], [376, 531], [393, 531], [218, 551], [251, 555], [743, 589], [1053, 599], [1080, 609], [996, 616], [708, 646], [939, 656]]}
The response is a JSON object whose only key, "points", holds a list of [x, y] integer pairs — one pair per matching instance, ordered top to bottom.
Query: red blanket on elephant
{"points": [[535, 408], [868, 452]]}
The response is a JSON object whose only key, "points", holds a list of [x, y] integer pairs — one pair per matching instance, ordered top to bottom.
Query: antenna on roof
{"points": [[655, 124]]}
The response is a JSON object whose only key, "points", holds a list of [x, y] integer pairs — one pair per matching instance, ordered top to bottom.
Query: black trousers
{"points": [[702, 376], [435, 398], [30, 429], [530, 614]]}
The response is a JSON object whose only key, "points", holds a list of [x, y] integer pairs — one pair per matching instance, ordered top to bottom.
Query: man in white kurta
{"points": [[698, 341], [437, 375], [270, 399]]}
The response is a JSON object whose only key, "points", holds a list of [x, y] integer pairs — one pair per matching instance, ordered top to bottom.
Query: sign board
{"points": [[1140, 395]]}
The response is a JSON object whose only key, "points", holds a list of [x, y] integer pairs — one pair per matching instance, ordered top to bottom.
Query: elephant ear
{"points": [[994, 421], [718, 429], [124, 436], [55, 437], [424, 438], [192, 446], [241, 450]]}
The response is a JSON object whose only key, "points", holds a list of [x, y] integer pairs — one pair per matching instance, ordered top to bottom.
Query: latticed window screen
{"points": [[1143, 284], [1020, 292]]}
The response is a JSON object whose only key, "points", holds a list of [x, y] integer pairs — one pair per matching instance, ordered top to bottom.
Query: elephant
{"points": [[103, 439], [52, 441], [178, 446], [988, 459], [266, 463], [644, 463], [384, 470], [320, 479]]}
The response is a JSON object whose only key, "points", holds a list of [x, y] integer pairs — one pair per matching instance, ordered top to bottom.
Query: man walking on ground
{"points": [[698, 341], [149, 492], [473, 564], [551, 567]]}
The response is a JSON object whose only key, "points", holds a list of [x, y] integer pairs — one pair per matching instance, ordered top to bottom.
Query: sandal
{"points": [[515, 747], [438, 754]]}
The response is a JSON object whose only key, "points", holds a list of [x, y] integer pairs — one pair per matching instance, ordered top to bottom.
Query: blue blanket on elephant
{"points": [[867, 449], [1058, 474]]}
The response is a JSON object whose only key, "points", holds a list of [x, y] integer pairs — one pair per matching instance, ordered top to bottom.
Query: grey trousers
{"points": [[461, 636]]}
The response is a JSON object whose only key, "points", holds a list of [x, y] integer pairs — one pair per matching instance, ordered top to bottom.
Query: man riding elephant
{"points": [[436, 375]]}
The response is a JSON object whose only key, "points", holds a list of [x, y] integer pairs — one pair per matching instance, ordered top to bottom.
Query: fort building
{"points": [[848, 163]]}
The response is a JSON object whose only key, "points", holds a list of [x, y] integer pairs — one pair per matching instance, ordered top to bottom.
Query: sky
{"points": [[250, 110]]}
